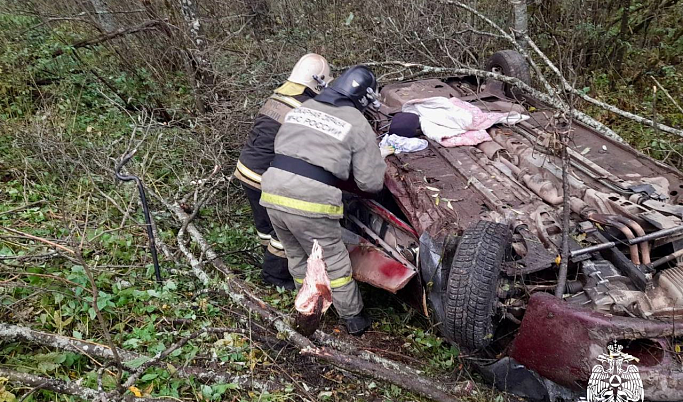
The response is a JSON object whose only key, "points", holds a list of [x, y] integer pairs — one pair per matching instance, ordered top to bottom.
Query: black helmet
{"points": [[358, 84]]}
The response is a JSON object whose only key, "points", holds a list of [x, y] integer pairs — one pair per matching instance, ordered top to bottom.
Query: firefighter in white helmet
{"points": [[306, 81]]}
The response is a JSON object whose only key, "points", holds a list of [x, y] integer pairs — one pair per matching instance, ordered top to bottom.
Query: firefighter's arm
{"points": [[367, 163]]}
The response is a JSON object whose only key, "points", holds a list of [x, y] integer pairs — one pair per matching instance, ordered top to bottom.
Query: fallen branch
{"points": [[145, 26], [668, 95], [544, 97], [610, 108], [23, 207], [40, 239], [16, 333], [376, 367], [386, 374], [63, 387]]}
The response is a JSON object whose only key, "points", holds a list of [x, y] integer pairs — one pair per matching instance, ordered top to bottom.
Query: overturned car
{"points": [[471, 235]]}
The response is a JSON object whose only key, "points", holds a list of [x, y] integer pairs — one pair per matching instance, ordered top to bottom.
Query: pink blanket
{"points": [[453, 122]]}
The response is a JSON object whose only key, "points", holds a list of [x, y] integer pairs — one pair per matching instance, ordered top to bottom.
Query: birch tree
{"points": [[103, 15], [521, 21], [201, 65]]}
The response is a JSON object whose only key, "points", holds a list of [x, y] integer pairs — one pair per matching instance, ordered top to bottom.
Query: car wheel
{"points": [[512, 64], [470, 298]]}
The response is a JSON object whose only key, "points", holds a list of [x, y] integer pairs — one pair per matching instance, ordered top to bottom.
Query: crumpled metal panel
{"points": [[373, 266], [561, 342]]}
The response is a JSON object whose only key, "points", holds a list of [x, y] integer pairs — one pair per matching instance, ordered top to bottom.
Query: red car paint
{"points": [[372, 265], [561, 342]]}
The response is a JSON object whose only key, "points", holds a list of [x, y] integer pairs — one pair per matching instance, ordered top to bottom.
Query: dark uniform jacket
{"points": [[258, 152]]}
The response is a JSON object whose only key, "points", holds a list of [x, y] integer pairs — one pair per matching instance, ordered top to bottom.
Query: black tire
{"points": [[512, 64], [470, 298]]}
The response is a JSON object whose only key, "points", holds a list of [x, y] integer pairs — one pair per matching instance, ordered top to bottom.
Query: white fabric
{"points": [[442, 119], [403, 144], [386, 151]]}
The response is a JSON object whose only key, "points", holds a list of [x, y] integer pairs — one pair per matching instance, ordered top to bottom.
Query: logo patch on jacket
{"points": [[319, 121]]}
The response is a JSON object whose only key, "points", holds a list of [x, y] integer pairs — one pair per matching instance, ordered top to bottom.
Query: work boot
{"points": [[274, 271], [287, 283], [357, 324]]}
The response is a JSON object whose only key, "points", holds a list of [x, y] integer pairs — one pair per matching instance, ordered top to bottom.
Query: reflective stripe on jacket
{"points": [[337, 139]]}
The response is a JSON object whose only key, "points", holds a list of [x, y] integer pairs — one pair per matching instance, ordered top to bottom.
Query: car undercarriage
{"points": [[472, 235]]}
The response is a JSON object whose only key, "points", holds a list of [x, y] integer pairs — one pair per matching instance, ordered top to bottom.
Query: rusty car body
{"points": [[625, 276]]}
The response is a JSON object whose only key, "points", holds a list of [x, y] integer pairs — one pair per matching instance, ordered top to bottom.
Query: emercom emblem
{"points": [[614, 379]]}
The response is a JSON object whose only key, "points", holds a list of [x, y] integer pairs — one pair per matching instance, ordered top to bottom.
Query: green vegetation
{"points": [[68, 113]]}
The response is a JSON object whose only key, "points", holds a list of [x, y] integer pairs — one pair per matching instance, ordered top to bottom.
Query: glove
{"points": [[386, 151]]}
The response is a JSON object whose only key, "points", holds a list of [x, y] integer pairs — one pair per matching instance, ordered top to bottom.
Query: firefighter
{"points": [[322, 142], [257, 155]]}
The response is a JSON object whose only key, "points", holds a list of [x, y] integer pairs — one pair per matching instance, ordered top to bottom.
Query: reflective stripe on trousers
{"points": [[275, 250], [337, 283]]}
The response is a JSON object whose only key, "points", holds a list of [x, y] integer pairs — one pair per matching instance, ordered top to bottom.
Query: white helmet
{"points": [[310, 65]]}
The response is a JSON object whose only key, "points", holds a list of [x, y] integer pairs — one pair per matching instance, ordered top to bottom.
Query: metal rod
{"points": [[145, 210], [657, 235], [636, 240], [382, 243], [592, 249], [666, 259]]}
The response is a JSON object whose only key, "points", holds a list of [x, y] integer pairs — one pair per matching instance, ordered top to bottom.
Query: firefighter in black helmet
{"points": [[304, 82], [322, 142]]}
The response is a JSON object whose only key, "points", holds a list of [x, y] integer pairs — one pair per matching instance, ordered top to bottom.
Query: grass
{"points": [[58, 144]]}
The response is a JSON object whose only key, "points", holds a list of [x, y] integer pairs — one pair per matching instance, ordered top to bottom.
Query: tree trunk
{"points": [[103, 16], [521, 20], [623, 33], [200, 64]]}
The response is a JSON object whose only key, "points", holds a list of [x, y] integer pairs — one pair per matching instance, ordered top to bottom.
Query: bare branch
{"points": [[145, 26], [477, 32], [667, 94], [543, 97], [611, 108], [40, 239], [237, 291], [16, 333], [388, 374], [63, 387]]}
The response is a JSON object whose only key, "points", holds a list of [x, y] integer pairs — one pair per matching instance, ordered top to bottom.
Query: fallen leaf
{"points": [[585, 151], [432, 188], [449, 204], [135, 390]]}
